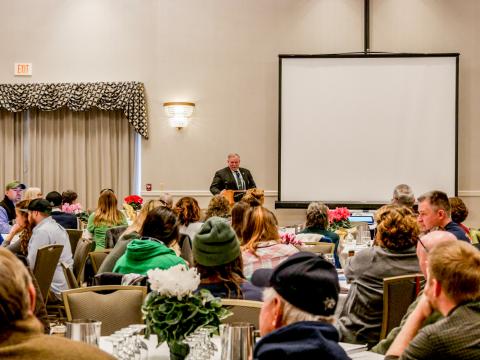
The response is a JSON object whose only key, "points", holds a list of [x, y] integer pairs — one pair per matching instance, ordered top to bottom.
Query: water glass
{"points": [[87, 331]]}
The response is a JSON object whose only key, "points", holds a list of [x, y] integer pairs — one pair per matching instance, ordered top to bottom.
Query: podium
{"points": [[233, 196]]}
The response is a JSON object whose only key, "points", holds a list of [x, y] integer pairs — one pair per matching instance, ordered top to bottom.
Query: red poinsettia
{"points": [[134, 201], [338, 218]]}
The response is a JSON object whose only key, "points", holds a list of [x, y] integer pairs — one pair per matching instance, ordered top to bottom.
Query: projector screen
{"points": [[352, 127]]}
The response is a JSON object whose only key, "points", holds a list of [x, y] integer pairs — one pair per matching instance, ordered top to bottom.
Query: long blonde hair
{"points": [[107, 212], [260, 224]]}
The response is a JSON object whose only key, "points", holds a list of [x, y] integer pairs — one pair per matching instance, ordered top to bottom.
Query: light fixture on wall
{"points": [[178, 113]]}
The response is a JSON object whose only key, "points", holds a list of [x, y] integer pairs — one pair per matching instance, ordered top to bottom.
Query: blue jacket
{"points": [[305, 340]]}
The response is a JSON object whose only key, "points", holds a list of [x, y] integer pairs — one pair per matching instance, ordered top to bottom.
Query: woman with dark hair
{"points": [[69, 197], [218, 206], [188, 213], [238, 213], [459, 213], [105, 217], [317, 223], [158, 235], [17, 240], [261, 241], [393, 254], [217, 256]]}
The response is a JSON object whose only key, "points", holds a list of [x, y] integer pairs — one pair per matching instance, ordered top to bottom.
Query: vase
{"points": [[178, 350]]}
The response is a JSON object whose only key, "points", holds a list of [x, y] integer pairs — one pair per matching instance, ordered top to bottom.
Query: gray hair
{"points": [[231, 155], [403, 195], [166, 199], [317, 215], [292, 314]]}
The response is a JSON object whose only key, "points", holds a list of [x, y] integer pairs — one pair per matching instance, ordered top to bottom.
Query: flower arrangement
{"points": [[134, 201], [72, 208], [338, 218], [289, 238], [172, 310]]}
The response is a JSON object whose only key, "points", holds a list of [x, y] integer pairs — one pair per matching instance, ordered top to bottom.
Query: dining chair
{"points": [[74, 235], [84, 247], [97, 257], [45, 265], [398, 293], [116, 306], [243, 311]]}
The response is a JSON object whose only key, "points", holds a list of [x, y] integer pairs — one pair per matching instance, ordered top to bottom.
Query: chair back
{"points": [[113, 234], [74, 235], [84, 246], [317, 247], [186, 248], [97, 257], [45, 265], [69, 276], [108, 278], [398, 293], [115, 306], [243, 311]]}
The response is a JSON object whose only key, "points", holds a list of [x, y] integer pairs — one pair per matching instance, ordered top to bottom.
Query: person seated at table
{"points": [[32, 193], [403, 196], [254, 197], [166, 200], [218, 206], [188, 213], [459, 213], [238, 214], [105, 217], [68, 221], [317, 223], [132, 232], [18, 238], [425, 243], [262, 247], [154, 248], [393, 254], [218, 259], [453, 289], [297, 314], [21, 332]]}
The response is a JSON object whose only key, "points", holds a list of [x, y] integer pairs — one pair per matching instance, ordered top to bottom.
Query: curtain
{"points": [[11, 142], [84, 151]]}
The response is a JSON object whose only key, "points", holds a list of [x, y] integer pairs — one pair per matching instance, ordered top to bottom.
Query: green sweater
{"points": [[99, 232], [144, 255]]}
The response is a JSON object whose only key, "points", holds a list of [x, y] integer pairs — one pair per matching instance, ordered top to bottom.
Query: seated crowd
{"points": [[239, 253]]}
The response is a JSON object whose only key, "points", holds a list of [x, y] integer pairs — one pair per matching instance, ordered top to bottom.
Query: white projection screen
{"points": [[352, 127]]}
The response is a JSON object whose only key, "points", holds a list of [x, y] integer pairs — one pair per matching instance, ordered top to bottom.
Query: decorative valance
{"points": [[126, 96]]}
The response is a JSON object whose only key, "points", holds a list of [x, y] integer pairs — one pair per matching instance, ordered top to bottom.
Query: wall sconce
{"points": [[178, 113]]}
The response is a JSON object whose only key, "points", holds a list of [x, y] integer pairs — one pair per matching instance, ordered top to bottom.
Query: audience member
{"points": [[32, 193], [13, 194], [403, 195], [69, 197], [254, 197], [166, 200], [218, 206], [434, 210], [188, 213], [459, 213], [238, 214], [105, 217], [68, 221], [317, 223], [46, 231], [132, 232], [18, 238], [261, 241], [425, 243], [154, 249], [393, 254], [217, 256], [453, 289], [297, 312], [21, 333]]}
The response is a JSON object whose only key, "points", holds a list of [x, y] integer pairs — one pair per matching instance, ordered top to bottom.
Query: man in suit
{"points": [[232, 177]]}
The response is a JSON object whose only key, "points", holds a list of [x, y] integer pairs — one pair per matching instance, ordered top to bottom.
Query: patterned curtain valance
{"points": [[126, 96]]}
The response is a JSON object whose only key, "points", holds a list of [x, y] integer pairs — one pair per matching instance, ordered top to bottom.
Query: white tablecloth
{"points": [[162, 352]]}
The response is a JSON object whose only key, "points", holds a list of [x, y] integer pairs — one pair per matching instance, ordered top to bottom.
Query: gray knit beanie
{"points": [[216, 243]]}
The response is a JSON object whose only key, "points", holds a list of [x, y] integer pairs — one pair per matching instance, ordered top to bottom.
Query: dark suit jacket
{"points": [[224, 179], [67, 221]]}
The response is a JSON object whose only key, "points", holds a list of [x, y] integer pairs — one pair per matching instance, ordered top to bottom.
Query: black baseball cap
{"points": [[41, 205], [305, 280]]}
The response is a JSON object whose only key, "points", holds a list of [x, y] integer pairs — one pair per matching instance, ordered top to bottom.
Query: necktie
{"points": [[239, 180]]}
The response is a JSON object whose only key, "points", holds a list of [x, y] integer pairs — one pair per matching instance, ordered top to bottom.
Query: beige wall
{"points": [[222, 54]]}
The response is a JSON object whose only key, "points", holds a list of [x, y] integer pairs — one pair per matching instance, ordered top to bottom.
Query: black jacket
{"points": [[224, 179], [9, 207], [66, 220]]}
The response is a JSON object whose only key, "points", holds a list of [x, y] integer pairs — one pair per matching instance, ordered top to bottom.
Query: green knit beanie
{"points": [[216, 243]]}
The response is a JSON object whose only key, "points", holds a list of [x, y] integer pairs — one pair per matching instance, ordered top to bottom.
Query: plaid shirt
{"points": [[269, 254]]}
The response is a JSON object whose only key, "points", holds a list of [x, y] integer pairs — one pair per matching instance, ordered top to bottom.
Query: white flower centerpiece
{"points": [[173, 310]]}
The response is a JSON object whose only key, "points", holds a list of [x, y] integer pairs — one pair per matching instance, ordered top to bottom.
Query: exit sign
{"points": [[23, 69]]}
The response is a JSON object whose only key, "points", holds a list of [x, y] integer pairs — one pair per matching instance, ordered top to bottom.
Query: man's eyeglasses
{"points": [[423, 245]]}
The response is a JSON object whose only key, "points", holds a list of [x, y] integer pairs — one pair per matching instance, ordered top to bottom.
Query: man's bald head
{"points": [[427, 242]]}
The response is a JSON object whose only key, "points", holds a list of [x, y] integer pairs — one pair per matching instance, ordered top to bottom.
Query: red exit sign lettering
{"points": [[23, 69]]}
